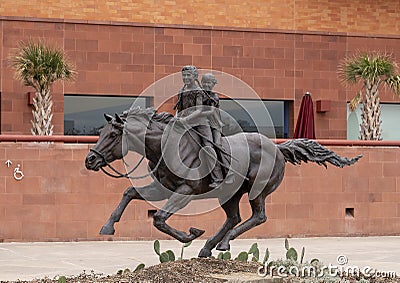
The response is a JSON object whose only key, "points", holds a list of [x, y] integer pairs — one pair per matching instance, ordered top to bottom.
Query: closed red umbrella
{"points": [[305, 122]]}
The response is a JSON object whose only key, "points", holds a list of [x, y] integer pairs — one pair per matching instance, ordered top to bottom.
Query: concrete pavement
{"points": [[27, 261]]}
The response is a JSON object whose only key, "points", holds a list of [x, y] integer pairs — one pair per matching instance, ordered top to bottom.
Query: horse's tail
{"points": [[298, 150]]}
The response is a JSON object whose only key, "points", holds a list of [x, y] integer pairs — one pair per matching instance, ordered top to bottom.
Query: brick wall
{"points": [[376, 17], [269, 47], [114, 59], [58, 199]]}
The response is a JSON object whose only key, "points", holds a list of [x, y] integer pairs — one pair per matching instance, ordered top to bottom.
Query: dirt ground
{"points": [[191, 270]]}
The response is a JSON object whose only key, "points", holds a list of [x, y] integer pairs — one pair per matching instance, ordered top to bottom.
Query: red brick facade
{"points": [[280, 57], [125, 59], [59, 199]]}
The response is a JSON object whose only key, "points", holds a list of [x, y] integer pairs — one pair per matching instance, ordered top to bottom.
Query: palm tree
{"points": [[39, 65], [373, 70]]}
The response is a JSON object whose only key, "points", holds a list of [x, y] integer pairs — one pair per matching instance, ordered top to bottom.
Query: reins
{"points": [[222, 150], [118, 174], [127, 175]]}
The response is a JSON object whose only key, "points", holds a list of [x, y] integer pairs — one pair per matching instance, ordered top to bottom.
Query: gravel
{"points": [[200, 270]]}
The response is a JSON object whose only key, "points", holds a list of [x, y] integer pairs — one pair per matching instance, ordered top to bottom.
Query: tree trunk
{"points": [[42, 114], [370, 127]]}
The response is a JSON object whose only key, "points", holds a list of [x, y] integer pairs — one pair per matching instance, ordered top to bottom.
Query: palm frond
{"points": [[39, 65], [380, 65], [373, 67], [348, 71], [393, 83], [355, 101]]}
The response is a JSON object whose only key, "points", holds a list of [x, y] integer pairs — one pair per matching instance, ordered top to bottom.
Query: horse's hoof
{"points": [[107, 230], [196, 232], [223, 247], [205, 253]]}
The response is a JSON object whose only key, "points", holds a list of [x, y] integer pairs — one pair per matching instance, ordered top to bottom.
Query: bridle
{"points": [[117, 173]]}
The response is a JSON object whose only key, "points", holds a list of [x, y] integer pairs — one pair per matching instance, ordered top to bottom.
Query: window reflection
{"points": [[83, 114], [267, 117]]}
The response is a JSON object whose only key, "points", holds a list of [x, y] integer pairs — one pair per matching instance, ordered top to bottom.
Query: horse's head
{"points": [[109, 146]]}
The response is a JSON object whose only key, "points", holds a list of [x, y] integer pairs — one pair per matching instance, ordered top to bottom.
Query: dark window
{"points": [[83, 114], [268, 117]]}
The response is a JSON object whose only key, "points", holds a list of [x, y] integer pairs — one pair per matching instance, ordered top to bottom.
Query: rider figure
{"points": [[208, 81], [192, 102]]}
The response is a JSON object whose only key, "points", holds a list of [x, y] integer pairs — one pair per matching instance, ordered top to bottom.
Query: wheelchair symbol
{"points": [[18, 175]]}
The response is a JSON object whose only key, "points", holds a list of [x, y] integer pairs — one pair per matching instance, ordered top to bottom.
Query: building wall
{"points": [[373, 17], [281, 49], [114, 59], [58, 199]]}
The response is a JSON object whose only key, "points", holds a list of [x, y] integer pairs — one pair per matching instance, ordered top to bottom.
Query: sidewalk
{"points": [[27, 261]]}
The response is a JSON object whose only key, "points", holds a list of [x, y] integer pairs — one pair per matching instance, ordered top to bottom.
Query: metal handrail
{"points": [[54, 138], [93, 139], [335, 142]]}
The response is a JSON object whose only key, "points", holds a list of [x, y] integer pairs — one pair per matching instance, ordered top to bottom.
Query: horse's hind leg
{"points": [[151, 192], [231, 209], [258, 217]]}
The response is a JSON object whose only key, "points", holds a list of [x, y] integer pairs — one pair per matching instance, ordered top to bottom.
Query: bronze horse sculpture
{"points": [[258, 172]]}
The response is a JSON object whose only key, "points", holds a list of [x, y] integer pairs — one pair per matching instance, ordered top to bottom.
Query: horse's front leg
{"points": [[151, 192], [179, 199]]}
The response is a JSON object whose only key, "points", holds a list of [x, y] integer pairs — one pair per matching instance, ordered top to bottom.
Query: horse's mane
{"points": [[138, 111], [151, 113], [163, 117]]}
